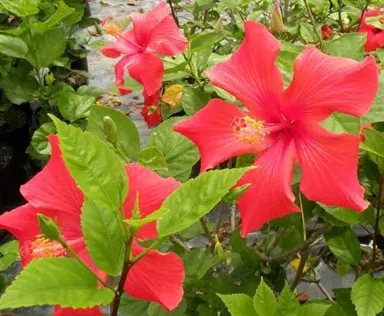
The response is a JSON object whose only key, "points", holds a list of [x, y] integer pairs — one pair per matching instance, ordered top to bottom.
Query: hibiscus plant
{"points": [[265, 168]]}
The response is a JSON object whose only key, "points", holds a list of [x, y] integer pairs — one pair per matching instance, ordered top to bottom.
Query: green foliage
{"points": [[348, 45], [12, 46], [73, 106], [152, 158], [9, 254], [197, 262], [66, 283], [264, 301], [238, 304]]}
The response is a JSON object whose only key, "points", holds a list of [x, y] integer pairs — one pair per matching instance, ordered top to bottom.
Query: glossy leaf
{"points": [[20, 7], [201, 40], [347, 45], [12, 46], [19, 88], [194, 99], [73, 106], [376, 114], [342, 123], [127, 135], [374, 145], [39, 146], [152, 158], [94, 166], [195, 198], [343, 214], [104, 237], [9, 254], [196, 264], [55, 281], [264, 301], [238, 304], [287, 305], [314, 309], [156, 310]]}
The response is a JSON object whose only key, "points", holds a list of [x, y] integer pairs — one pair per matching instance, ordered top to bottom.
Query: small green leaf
{"points": [[20, 7], [307, 33], [201, 40], [349, 45], [12, 46], [19, 88], [194, 99], [73, 106], [376, 114], [342, 123], [127, 135], [374, 145], [40, 146], [179, 152], [152, 158], [94, 166], [195, 198], [343, 214], [150, 218], [104, 237], [344, 245], [9, 254], [196, 264], [55, 281], [367, 295], [343, 298], [264, 301], [238, 304], [287, 305], [132, 307], [155, 309], [314, 309]]}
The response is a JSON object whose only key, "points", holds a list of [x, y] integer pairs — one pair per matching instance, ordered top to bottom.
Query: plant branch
{"points": [[286, 10], [362, 12], [173, 13], [340, 19], [313, 21], [302, 217], [377, 221], [207, 232], [177, 241], [300, 269], [321, 288], [120, 289]]}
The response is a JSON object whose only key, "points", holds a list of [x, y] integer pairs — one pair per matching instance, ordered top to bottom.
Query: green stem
{"points": [[286, 10], [363, 11], [173, 13], [340, 20], [313, 21], [121, 152], [302, 218], [300, 269]]}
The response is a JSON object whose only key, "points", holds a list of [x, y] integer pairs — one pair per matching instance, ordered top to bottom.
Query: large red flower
{"points": [[154, 32], [375, 36], [283, 125], [156, 277]]}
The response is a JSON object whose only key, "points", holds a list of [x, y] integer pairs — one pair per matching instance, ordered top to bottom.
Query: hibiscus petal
{"points": [[144, 23], [166, 38], [122, 46], [148, 70], [119, 74], [251, 74], [323, 84], [213, 130], [329, 167], [53, 188], [152, 190], [270, 194], [157, 277], [95, 311]]}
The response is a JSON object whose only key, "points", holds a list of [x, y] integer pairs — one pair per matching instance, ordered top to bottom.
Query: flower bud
{"points": [[277, 25], [326, 32], [110, 129], [48, 227]]}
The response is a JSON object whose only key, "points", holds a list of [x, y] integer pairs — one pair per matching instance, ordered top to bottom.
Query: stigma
{"points": [[248, 130], [45, 248]]}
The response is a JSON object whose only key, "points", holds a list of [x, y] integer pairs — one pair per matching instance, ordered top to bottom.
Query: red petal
{"points": [[144, 23], [166, 38], [122, 46], [148, 70], [119, 74], [251, 74], [323, 84], [151, 118], [212, 130], [329, 167], [53, 188], [152, 190], [270, 195], [157, 277], [95, 311]]}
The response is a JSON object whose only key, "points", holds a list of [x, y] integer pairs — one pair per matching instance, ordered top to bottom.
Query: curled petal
{"points": [[124, 45], [148, 70], [119, 74], [251, 74], [323, 84], [221, 130], [329, 167], [53, 188], [152, 190], [270, 195], [157, 277], [95, 311]]}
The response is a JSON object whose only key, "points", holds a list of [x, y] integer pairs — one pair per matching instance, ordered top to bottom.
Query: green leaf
{"points": [[20, 7], [62, 12], [307, 33], [201, 40], [349, 45], [12, 46], [44, 48], [287, 55], [19, 88], [91, 91], [194, 99], [73, 106], [376, 114], [342, 123], [127, 135], [374, 145], [40, 146], [179, 152], [152, 158], [94, 166], [195, 198], [343, 214], [150, 218], [104, 237], [344, 245], [9, 254], [196, 264], [55, 281], [367, 295], [343, 298], [264, 301], [238, 304], [287, 305], [132, 307], [155, 309], [314, 309]]}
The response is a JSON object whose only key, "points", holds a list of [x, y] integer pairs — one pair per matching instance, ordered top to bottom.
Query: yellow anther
{"points": [[248, 130]]}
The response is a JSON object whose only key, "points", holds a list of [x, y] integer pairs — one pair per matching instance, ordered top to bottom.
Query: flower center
{"points": [[248, 130], [45, 248]]}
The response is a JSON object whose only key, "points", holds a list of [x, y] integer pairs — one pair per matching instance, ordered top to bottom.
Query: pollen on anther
{"points": [[248, 130], [44, 248]]}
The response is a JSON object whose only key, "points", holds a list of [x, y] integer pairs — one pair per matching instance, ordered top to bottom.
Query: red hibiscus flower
{"points": [[154, 32], [326, 32], [375, 36], [151, 111], [283, 125], [156, 277]]}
